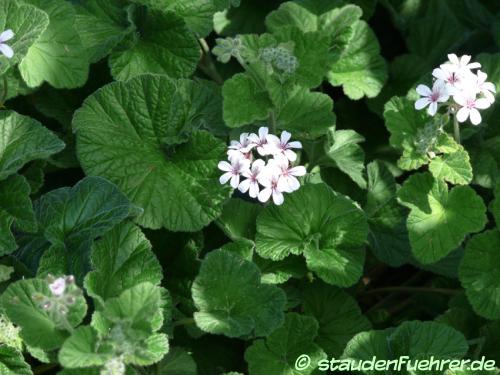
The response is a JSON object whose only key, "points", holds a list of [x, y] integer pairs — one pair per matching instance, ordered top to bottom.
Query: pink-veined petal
{"points": [[6, 35], [6, 51], [439, 74], [423, 90], [443, 98], [460, 100], [421, 103], [433, 107], [463, 114], [475, 116], [263, 132], [271, 138], [258, 165], [224, 166], [225, 178], [235, 181], [244, 185], [265, 194], [278, 198]]}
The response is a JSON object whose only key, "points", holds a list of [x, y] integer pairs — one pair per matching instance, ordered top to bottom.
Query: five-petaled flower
{"points": [[5, 49], [432, 98], [469, 107], [282, 145], [233, 171], [251, 184], [58, 287]]}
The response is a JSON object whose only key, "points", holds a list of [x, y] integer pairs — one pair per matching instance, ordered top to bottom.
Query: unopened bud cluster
{"points": [[280, 58], [115, 366]]}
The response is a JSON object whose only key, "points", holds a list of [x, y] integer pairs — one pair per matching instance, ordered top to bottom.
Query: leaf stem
{"points": [[207, 64], [272, 121], [456, 128], [413, 289]]}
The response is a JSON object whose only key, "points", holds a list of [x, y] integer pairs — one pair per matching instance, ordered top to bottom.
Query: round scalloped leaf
{"points": [[27, 23], [164, 46], [58, 56], [122, 130], [23, 139], [454, 168], [440, 219], [328, 228], [480, 275], [231, 300], [337, 313], [38, 329], [278, 352], [12, 361]]}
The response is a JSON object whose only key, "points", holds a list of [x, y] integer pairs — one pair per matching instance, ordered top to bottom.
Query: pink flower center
{"points": [[453, 78], [434, 96], [470, 103]]}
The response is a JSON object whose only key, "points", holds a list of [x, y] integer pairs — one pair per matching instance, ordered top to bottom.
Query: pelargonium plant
{"points": [[262, 165], [158, 217]]}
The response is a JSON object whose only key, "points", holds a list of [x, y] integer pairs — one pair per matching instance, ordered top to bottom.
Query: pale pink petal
{"points": [[6, 35], [6, 51], [453, 59], [464, 60], [474, 65], [439, 74], [488, 86], [423, 90], [489, 96], [443, 98], [460, 100], [421, 103], [482, 103], [433, 107], [463, 114], [475, 116], [263, 132], [285, 136], [271, 138], [295, 144], [292, 156], [224, 166], [297, 171], [225, 178], [235, 181], [293, 183], [283, 185], [244, 186], [254, 189], [265, 194], [278, 198]]}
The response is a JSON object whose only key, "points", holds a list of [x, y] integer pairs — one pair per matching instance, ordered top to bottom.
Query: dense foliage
{"points": [[224, 186]]}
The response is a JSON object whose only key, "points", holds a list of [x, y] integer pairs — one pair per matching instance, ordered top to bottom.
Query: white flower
{"points": [[6, 50], [461, 63], [485, 88], [431, 98], [470, 105], [260, 141], [244, 145], [276, 145], [233, 170], [287, 174], [270, 181], [251, 184], [58, 286]]}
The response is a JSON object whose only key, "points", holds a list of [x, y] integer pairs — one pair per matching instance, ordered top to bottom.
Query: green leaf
{"points": [[27, 23], [101, 24], [164, 46], [58, 56], [360, 69], [244, 101], [121, 130], [23, 139], [343, 149], [454, 168], [15, 206], [71, 218], [440, 218], [238, 219], [387, 219], [329, 229], [121, 259], [5, 272], [479, 274], [231, 300], [337, 313], [38, 328], [415, 339], [83, 349], [151, 351], [278, 352], [12, 362], [177, 362]]}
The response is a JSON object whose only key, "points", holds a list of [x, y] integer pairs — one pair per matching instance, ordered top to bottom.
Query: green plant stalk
{"points": [[207, 64], [5, 91], [456, 128]]}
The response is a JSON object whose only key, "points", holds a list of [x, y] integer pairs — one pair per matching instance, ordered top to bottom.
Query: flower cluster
{"points": [[5, 49], [280, 58], [462, 81], [261, 164], [63, 294]]}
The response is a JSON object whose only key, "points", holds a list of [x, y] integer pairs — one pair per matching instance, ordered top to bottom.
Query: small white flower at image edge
{"points": [[5, 49], [432, 98], [260, 141], [58, 286]]}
